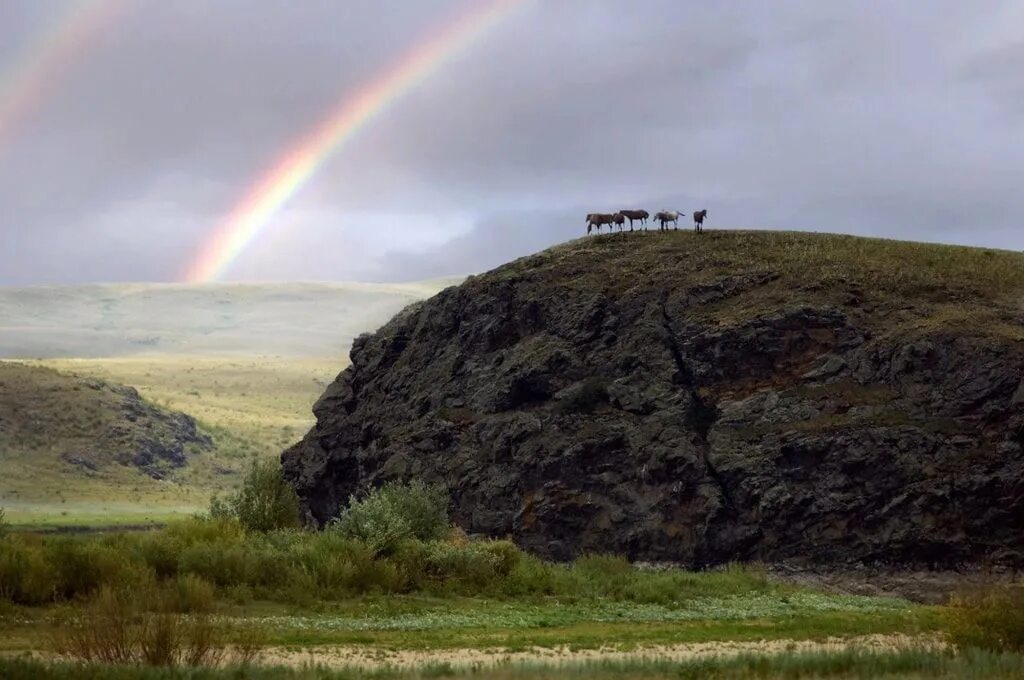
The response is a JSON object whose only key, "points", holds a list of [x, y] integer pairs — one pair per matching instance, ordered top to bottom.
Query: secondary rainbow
{"points": [[47, 56], [299, 164]]}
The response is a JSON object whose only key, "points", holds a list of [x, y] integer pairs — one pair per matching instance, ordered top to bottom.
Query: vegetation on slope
{"points": [[900, 284], [252, 408], [56, 428]]}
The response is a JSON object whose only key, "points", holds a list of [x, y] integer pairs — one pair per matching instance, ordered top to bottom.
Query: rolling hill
{"points": [[120, 320]]}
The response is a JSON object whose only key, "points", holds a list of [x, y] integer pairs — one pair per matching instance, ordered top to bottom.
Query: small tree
{"points": [[266, 502]]}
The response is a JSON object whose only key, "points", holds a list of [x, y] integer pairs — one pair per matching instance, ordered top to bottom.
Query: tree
{"points": [[265, 502]]}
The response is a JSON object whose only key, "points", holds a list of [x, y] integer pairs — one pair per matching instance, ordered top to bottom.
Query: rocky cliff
{"points": [[702, 398]]}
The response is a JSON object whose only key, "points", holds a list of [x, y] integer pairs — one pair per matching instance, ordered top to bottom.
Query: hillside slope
{"points": [[702, 398], [56, 429]]}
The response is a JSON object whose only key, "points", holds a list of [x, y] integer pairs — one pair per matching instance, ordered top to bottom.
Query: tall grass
{"points": [[291, 565], [989, 618], [152, 624]]}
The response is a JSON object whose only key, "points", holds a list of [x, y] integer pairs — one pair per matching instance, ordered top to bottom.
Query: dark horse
{"points": [[635, 215], [698, 220]]}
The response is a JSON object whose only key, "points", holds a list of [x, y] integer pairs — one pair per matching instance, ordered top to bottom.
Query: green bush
{"points": [[266, 502], [394, 513], [83, 566], [989, 618]]}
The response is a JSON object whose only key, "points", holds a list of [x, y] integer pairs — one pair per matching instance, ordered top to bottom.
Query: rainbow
{"points": [[26, 80], [299, 164]]}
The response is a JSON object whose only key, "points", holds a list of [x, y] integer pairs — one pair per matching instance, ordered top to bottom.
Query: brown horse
{"points": [[635, 215], [598, 220], [619, 220], [698, 220]]}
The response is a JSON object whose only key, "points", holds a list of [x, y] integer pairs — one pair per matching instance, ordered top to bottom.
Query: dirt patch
{"points": [[927, 587], [374, 658]]}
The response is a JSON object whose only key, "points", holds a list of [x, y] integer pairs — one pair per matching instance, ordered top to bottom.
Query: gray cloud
{"points": [[894, 121]]}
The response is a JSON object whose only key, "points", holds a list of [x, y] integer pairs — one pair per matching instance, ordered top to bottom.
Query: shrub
{"points": [[266, 502], [394, 513], [4, 526], [83, 566], [26, 575], [193, 595], [989, 618]]}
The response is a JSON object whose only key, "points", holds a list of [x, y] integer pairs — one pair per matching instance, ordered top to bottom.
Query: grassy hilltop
{"points": [[904, 281]]}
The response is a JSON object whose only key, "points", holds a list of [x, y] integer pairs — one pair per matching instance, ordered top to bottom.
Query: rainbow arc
{"points": [[354, 112]]}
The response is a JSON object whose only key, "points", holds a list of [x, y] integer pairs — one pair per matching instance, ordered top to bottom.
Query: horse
{"points": [[635, 215], [666, 216], [599, 219], [619, 220], [698, 220]]}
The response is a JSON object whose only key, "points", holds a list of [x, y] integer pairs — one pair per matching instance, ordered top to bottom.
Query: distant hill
{"points": [[117, 320], [702, 399], [59, 431]]}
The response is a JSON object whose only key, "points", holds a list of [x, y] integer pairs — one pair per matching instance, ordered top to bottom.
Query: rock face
{"points": [[698, 400]]}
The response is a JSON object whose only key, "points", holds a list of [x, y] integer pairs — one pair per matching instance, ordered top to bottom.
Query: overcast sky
{"points": [[900, 119]]}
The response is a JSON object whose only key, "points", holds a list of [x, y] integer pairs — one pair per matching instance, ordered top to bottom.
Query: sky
{"points": [[125, 143]]}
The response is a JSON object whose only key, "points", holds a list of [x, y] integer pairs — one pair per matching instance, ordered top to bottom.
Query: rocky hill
{"points": [[700, 399], [50, 420]]}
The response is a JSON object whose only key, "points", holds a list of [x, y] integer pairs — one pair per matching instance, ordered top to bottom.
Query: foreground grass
{"points": [[459, 623], [850, 664]]}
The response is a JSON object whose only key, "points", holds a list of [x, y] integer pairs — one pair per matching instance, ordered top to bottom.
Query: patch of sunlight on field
{"points": [[149, 509]]}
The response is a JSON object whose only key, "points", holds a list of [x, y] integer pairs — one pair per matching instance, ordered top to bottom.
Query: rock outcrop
{"points": [[704, 399], [89, 424]]}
